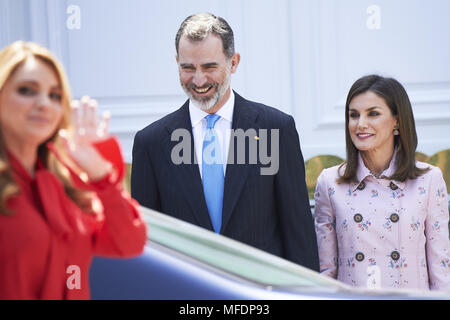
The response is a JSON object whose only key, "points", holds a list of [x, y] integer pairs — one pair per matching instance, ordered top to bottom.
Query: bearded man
{"points": [[219, 184]]}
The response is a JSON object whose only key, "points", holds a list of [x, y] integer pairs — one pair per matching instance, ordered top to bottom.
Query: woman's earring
{"points": [[396, 132]]}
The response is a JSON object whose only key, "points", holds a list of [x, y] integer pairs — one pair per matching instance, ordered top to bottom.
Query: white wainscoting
{"points": [[298, 56]]}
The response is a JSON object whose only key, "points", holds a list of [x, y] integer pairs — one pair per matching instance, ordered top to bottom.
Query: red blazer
{"points": [[47, 244]]}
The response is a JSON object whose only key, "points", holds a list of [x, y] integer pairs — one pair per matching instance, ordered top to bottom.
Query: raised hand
{"points": [[88, 129]]}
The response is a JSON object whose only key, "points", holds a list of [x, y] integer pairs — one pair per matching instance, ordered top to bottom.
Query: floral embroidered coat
{"points": [[379, 233]]}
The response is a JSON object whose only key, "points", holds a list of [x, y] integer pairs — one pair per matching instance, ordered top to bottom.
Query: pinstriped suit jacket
{"points": [[269, 212]]}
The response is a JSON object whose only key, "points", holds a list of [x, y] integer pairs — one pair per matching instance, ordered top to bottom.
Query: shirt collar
{"points": [[226, 112], [363, 172]]}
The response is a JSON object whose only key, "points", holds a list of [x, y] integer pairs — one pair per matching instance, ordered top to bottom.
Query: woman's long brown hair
{"points": [[395, 96]]}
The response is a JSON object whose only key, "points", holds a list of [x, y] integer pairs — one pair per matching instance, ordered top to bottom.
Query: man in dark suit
{"points": [[217, 175]]}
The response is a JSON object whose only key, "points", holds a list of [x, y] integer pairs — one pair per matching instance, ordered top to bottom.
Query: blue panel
{"points": [[157, 275]]}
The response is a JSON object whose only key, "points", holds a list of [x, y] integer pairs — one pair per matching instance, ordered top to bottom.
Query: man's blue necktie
{"points": [[212, 172]]}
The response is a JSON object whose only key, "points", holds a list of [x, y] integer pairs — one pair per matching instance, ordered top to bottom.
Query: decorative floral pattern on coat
{"points": [[364, 226], [398, 227], [398, 264]]}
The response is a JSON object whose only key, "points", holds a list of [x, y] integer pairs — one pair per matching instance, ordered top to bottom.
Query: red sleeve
{"points": [[121, 231]]}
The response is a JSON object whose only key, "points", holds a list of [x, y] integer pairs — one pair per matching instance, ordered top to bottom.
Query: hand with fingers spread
{"points": [[88, 129]]}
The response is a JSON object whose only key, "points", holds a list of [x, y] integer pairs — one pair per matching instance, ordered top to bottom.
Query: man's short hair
{"points": [[198, 26]]}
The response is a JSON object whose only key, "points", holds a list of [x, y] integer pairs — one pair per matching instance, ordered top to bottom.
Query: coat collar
{"points": [[244, 117], [363, 172], [186, 175]]}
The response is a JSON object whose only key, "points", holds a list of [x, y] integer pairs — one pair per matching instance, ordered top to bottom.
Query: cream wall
{"points": [[299, 56]]}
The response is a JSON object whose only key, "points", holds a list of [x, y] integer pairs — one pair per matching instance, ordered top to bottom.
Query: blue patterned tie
{"points": [[212, 172]]}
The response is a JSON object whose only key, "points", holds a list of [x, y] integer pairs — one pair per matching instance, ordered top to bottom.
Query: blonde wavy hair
{"points": [[11, 58]]}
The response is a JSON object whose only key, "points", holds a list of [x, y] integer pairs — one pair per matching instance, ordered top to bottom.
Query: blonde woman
{"points": [[52, 220]]}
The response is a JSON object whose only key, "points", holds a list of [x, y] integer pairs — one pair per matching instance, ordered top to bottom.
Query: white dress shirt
{"points": [[222, 127]]}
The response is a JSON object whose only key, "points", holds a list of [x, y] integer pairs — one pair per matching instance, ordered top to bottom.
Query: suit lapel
{"points": [[244, 117], [187, 175]]}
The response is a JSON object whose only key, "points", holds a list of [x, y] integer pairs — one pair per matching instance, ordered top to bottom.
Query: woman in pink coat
{"points": [[381, 216]]}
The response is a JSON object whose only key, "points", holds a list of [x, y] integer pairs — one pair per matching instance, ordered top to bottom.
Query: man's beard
{"points": [[207, 103]]}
